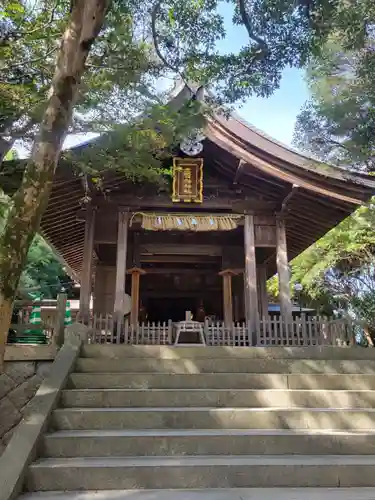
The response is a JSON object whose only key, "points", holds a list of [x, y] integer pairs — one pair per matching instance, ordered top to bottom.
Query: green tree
{"points": [[86, 21], [105, 42], [120, 69], [337, 124], [43, 272], [337, 273]]}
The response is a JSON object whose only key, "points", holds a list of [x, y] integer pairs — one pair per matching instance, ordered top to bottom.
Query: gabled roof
{"points": [[256, 149], [315, 196]]}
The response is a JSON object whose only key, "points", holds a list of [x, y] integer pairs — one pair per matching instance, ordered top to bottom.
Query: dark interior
{"points": [[165, 308]]}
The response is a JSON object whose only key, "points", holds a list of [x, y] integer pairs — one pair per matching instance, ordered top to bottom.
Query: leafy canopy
{"points": [[145, 44], [337, 125]]}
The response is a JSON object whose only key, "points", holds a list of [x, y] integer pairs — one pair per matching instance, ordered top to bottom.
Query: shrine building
{"points": [[238, 207]]}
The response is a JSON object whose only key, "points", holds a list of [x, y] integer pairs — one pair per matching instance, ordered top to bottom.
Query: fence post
{"points": [[58, 336]]}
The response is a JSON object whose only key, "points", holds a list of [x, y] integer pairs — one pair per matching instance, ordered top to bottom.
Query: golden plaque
{"points": [[187, 180]]}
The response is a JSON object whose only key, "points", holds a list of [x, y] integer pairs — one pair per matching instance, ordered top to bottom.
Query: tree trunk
{"points": [[30, 201]]}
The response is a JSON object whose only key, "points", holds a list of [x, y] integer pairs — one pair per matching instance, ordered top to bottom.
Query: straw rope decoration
{"points": [[188, 222]]}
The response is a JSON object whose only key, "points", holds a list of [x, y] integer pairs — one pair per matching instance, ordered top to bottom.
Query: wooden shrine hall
{"points": [[237, 208]]}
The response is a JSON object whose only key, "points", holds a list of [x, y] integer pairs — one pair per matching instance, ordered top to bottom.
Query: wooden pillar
{"points": [[122, 245], [136, 250], [283, 270], [250, 275], [86, 280], [262, 290], [227, 296], [237, 296], [134, 311], [58, 334]]}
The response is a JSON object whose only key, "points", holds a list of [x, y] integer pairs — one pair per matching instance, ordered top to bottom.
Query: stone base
{"points": [[18, 384]]}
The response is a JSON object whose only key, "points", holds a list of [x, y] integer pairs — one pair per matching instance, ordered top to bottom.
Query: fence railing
{"points": [[51, 328], [104, 329], [269, 331], [304, 331], [217, 333]]}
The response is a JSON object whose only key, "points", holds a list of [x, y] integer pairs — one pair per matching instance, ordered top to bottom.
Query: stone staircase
{"points": [[141, 421]]}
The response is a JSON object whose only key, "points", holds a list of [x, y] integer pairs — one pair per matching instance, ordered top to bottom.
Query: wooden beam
{"points": [[241, 163], [255, 173], [58, 182], [248, 186], [65, 190], [69, 197], [288, 197], [155, 202], [327, 202], [302, 204], [56, 213], [307, 216], [64, 224], [305, 230], [57, 231], [74, 239], [122, 246], [74, 247], [178, 249], [176, 259], [87, 260], [180, 270], [283, 270], [250, 278], [167, 293]]}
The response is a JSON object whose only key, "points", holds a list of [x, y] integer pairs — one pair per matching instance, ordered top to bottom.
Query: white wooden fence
{"points": [[105, 330], [270, 331], [274, 331], [304, 332], [217, 333]]}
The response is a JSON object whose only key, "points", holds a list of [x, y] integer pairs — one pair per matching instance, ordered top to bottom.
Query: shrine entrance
{"points": [[214, 231], [169, 308]]}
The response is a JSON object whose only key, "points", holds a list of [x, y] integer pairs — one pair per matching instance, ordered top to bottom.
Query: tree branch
{"points": [[154, 14], [42, 28], [262, 45], [32, 61]]}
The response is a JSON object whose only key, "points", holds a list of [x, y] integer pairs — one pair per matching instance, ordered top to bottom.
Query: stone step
{"points": [[169, 352], [224, 365], [221, 381], [240, 398], [212, 418], [120, 443], [201, 472], [211, 494]]}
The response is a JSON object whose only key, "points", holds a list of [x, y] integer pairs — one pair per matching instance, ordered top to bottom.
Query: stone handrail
{"points": [[21, 449]]}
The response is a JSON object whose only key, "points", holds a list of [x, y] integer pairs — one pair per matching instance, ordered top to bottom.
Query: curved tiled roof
{"points": [[247, 157]]}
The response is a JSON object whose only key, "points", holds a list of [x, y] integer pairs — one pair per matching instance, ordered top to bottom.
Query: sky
{"points": [[277, 115]]}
